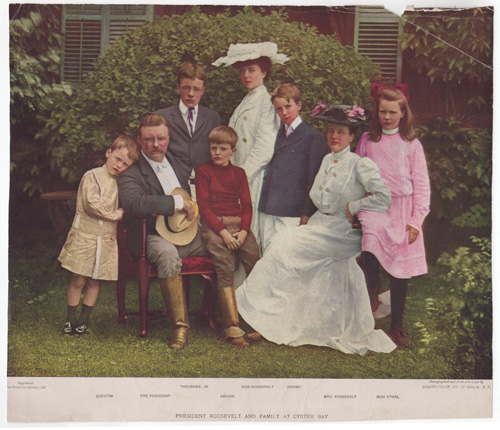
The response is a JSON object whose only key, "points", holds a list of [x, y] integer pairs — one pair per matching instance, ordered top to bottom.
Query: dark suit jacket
{"points": [[188, 152], [290, 174], [141, 194]]}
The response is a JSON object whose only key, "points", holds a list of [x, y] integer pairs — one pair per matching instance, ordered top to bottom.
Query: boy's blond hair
{"points": [[286, 91], [223, 134], [124, 141]]}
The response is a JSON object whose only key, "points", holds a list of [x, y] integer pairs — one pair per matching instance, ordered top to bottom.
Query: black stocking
{"points": [[371, 269], [398, 298]]}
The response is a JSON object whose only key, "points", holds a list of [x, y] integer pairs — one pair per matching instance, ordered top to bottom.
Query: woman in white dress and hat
{"points": [[255, 119], [308, 288]]}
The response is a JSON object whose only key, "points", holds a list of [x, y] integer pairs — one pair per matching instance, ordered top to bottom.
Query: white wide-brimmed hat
{"points": [[251, 51], [176, 228]]}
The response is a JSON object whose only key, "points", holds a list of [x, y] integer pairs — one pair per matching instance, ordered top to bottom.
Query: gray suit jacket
{"points": [[186, 152], [141, 194]]}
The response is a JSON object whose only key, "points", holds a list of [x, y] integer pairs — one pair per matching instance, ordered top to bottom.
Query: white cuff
{"points": [[178, 201], [354, 207]]}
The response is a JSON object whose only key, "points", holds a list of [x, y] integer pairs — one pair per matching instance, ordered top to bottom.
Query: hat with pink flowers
{"points": [[341, 114]]}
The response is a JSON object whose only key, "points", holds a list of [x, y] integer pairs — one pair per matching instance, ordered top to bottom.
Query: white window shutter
{"points": [[377, 36]]}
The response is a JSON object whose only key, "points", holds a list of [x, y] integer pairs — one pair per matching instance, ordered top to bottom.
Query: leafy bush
{"points": [[441, 47], [34, 67], [137, 75], [460, 169], [465, 316]]}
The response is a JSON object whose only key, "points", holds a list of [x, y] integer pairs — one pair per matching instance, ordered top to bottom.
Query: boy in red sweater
{"points": [[225, 206]]}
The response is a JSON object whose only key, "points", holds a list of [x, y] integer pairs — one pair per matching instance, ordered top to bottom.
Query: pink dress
{"points": [[403, 166]]}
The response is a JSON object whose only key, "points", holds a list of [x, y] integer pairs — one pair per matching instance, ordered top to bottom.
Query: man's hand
{"points": [[189, 209], [240, 237], [412, 237], [230, 241]]}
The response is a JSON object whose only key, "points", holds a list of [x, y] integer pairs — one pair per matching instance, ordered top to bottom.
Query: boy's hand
{"points": [[189, 208], [122, 212], [240, 237], [230, 241]]}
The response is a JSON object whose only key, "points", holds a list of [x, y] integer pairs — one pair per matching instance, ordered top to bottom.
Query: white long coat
{"points": [[256, 123]]}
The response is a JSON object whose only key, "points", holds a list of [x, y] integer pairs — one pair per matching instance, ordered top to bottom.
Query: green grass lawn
{"points": [[36, 347]]}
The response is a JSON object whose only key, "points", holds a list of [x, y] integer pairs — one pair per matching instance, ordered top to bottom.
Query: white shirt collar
{"points": [[256, 90], [184, 109], [296, 122], [393, 131], [337, 155], [155, 164]]}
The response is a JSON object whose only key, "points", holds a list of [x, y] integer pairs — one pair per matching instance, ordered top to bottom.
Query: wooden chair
{"points": [[145, 273]]}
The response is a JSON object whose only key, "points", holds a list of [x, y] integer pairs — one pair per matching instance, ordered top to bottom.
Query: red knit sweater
{"points": [[223, 191]]}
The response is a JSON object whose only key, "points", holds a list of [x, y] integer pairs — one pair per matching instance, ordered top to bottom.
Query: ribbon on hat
{"points": [[374, 89]]}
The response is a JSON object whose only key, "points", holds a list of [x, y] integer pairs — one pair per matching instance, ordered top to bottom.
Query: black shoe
{"points": [[68, 329], [81, 329]]}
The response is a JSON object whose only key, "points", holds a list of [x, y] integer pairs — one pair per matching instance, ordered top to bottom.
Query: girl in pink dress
{"points": [[394, 239]]}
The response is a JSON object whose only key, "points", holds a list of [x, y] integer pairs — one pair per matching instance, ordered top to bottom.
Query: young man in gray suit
{"points": [[190, 123]]}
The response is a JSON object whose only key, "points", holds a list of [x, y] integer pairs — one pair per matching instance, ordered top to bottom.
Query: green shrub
{"points": [[441, 46], [34, 68], [137, 75], [460, 170], [465, 316]]}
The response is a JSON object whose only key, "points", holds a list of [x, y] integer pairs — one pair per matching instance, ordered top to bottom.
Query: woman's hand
{"points": [[349, 215], [303, 220], [240, 237], [412, 237], [230, 241]]}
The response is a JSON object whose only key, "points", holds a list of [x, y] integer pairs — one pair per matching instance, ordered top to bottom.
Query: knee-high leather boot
{"points": [[173, 295], [229, 312]]}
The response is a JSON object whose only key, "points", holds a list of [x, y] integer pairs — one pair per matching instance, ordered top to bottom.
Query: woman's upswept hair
{"points": [[405, 124]]}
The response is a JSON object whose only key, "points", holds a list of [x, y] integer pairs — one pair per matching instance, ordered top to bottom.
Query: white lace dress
{"points": [[308, 288]]}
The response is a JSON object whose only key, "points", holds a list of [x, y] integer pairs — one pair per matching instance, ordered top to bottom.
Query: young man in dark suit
{"points": [[190, 123], [298, 151]]}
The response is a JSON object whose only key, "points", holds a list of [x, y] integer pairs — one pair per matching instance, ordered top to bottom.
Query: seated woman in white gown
{"points": [[308, 288]]}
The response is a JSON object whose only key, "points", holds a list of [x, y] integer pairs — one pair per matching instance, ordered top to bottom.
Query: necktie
{"points": [[190, 120], [289, 131], [162, 174]]}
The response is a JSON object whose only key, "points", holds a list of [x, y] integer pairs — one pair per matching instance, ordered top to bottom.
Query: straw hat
{"points": [[251, 51], [176, 228]]}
